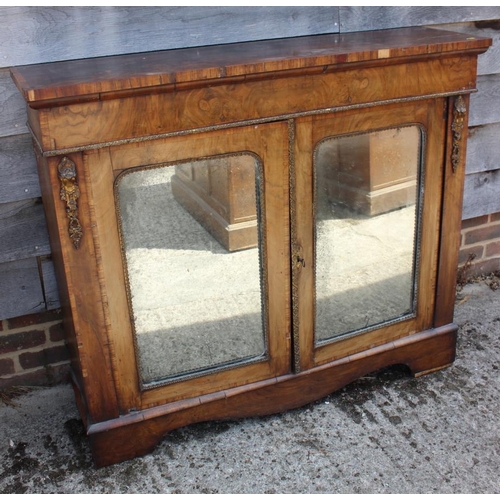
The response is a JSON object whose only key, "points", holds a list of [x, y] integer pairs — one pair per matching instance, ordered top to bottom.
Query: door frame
{"points": [[309, 132], [269, 142]]}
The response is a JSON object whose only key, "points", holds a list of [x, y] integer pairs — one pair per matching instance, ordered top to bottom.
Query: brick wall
{"points": [[480, 245], [32, 350]]}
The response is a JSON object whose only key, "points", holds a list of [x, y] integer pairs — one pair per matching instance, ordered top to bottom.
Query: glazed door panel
{"points": [[366, 217], [202, 264]]}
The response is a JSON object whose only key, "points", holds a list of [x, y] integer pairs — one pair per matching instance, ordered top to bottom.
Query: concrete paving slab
{"points": [[386, 433]]}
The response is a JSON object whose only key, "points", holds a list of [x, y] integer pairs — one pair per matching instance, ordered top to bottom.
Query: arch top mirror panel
{"points": [[366, 233], [191, 236]]}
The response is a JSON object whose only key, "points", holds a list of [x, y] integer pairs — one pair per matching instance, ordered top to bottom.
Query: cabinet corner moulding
{"points": [[243, 229]]}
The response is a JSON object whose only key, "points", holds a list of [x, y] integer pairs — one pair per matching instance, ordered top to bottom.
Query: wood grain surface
{"points": [[85, 78], [485, 105], [12, 107], [98, 122], [482, 148], [18, 173], [481, 194], [23, 229], [49, 283], [20, 288]]}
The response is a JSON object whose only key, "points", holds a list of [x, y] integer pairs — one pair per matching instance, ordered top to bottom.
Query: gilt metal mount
{"points": [[457, 128], [69, 193]]}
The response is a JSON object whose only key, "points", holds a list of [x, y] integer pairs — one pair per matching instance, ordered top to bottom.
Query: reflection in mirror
{"points": [[366, 201], [190, 234]]}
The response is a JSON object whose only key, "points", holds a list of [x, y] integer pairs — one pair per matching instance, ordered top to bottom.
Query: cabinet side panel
{"points": [[454, 164], [49, 203], [79, 285]]}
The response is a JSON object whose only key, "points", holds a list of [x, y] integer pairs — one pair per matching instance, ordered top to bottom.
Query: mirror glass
{"points": [[366, 208], [190, 235]]}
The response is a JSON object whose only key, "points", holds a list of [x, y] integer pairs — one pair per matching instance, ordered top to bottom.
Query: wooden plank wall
{"points": [[45, 34]]}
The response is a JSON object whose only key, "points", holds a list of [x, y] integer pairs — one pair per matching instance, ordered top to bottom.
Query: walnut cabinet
{"points": [[242, 229]]}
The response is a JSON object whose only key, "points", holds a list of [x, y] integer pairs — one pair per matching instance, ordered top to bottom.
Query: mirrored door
{"points": [[366, 201], [363, 249], [195, 261]]}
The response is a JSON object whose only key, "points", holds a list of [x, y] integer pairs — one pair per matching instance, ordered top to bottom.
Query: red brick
{"points": [[495, 217], [476, 221], [482, 234], [493, 249], [464, 254], [484, 267], [35, 319], [56, 332], [22, 340], [56, 354], [44, 357], [32, 359], [6, 366], [49, 375]]}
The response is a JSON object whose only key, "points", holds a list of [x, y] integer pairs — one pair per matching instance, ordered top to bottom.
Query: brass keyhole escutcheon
{"points": [[300, 262]]}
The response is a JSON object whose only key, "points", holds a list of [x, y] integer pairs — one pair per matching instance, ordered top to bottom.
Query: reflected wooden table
{"points": [[222, 198]]}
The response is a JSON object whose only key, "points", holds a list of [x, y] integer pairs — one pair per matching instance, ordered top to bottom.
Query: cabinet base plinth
{"points": [[139, 432]]}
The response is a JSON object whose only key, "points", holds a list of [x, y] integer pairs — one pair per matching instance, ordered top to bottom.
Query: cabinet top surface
{"points": [[172, 67]]}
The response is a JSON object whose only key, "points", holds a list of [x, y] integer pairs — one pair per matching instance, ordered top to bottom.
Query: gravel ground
{"points": [[386, 433]]}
